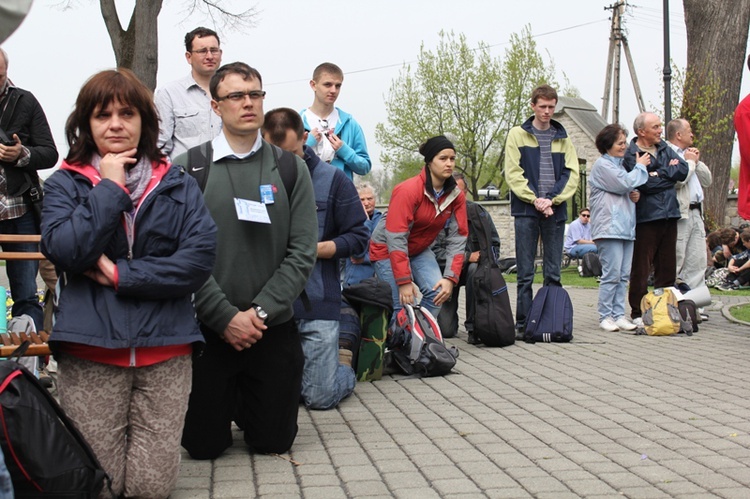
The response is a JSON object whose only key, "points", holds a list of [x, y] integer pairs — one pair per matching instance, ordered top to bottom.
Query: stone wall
{"points": [[585, 147]]}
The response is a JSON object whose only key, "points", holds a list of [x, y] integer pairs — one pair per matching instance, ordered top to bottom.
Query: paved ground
{"points": [[608, 415]]}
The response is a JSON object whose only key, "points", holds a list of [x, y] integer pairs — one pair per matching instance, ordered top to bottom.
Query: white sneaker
{"points": [[638, 322], [608, 324], [624, 324]]}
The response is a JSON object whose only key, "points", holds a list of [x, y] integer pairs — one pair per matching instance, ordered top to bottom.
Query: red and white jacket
{"points": [[413, 221]]}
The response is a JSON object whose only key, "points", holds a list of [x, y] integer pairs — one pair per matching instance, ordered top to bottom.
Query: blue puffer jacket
{"points": [[658, 197], [172, 255]]}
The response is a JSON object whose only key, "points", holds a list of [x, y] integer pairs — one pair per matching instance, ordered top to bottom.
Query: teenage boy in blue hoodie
{"points": [[334, 136], [328, 376]]}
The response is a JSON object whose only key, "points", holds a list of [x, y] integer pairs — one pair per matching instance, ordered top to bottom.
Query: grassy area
{"points": [[570, 277], [741, 312]]}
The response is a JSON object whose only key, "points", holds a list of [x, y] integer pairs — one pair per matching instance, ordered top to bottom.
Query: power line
{"points": [[388, 66]]}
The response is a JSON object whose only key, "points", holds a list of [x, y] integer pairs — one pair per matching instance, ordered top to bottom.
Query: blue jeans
{"points": [[528, 230], [579, 250], [616, 256], [22, 273], [425, 273], [325, 382], [6, 485]]}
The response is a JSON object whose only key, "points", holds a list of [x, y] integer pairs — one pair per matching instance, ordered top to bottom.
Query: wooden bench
{"points": [[11, 341]]}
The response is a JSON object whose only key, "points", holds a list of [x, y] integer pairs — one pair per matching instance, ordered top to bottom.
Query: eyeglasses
{"points": [[203, 52], [240, 96], [584, 215]]}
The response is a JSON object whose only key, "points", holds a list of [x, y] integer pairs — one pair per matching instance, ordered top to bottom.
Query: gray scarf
{"points": [[136, 179]]}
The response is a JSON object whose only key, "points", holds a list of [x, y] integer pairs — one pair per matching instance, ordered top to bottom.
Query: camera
{"points": [[324, 129], [5, 140]]}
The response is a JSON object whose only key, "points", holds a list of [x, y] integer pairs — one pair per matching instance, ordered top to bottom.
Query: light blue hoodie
{"points": [[352, 157]]}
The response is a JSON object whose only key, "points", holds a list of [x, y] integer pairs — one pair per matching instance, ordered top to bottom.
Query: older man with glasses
{"points": [[185, 115]]}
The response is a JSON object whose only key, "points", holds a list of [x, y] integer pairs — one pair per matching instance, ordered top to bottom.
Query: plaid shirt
{"points": [[11, 206]]}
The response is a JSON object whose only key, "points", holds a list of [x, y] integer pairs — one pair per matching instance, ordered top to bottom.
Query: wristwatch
{"points": [[262, 314]]}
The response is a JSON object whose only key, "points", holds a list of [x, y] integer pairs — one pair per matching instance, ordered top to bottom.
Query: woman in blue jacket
{"points": [[612, 200], [131, 240]]}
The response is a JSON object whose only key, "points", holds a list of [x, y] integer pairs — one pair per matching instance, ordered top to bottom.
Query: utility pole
{"points": [[617, 42], [667, 68]]}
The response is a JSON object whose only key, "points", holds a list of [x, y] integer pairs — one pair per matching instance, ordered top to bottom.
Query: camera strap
{"points": [[7, 106]]}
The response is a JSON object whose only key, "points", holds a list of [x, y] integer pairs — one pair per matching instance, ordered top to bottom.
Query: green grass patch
{"points": [[568, 276], [741, 312]]}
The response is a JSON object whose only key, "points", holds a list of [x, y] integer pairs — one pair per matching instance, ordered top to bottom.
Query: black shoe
{"points": [[519, 334], [473, 339]]}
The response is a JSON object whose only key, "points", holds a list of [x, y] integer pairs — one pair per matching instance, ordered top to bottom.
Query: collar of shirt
{"points": [[223, 150]]}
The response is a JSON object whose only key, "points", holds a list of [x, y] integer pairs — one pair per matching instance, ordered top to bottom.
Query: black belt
{"points": [[695, 206]]}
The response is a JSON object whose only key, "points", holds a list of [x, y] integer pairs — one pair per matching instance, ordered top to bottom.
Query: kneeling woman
{"points": [[420, 208], [132, 240]]}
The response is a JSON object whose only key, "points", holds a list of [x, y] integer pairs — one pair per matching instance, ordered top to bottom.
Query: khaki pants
{"points": [[131, 417]]}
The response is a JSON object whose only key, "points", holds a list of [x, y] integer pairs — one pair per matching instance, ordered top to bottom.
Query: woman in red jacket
{"points": [[420, 208]]}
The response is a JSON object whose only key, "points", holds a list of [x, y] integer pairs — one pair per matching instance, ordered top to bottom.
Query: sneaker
{"points": [[728, 286], [637, 322], [608, 324], [624, 324], [473, 339]]}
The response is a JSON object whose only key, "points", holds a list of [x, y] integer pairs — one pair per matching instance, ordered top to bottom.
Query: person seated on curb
{"points": [[578, 240], [739, 267], [448, 316], [328, 376]]}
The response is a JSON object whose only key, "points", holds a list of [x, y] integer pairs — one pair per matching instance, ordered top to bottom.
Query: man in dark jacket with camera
{"points": [[26, 145], [656, 212]]}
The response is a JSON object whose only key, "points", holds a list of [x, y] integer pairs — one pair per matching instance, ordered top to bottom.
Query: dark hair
{"points": [[200, 32], [327, 67], [239, 68], [98, 92], [543, 92], [278, 121], [608, 136], [585, 208], [745, 235], [721, 236]]}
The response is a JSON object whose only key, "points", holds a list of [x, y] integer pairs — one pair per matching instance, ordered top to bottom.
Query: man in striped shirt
{"points": [[541, 169]]}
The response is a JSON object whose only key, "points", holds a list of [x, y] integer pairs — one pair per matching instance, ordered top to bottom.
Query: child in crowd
{"points": [[739, 266]]}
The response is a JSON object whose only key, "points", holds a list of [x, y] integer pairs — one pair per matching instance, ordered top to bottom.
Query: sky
{"points": [[55, 51]]}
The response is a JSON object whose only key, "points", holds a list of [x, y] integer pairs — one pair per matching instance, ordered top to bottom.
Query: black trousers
{"points": [[655, 245], [258, 387]]}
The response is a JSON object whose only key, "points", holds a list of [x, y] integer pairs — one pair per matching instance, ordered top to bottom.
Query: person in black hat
{"points": [[420, 208]]}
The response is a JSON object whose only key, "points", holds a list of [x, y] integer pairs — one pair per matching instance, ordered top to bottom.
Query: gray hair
{"points": [[5, 56], [639, 122], [363, 186]]}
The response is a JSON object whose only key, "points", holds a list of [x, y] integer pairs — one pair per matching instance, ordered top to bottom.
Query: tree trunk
{"points": [[717, 33], [136, 48]]}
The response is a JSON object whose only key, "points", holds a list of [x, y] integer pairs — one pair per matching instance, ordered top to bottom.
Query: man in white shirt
{"points": [[185, 115], [334, 135], [691, 232]]}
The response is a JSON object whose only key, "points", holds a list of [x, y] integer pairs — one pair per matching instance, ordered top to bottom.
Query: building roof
{"points": [[584, 114]]}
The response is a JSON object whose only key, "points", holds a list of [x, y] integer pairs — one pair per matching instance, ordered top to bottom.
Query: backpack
{"points": [[200, 154], [590, 265], [371, 298], [661, 314], [493, 317], [550, 318], [417, 346], [44, 452]]}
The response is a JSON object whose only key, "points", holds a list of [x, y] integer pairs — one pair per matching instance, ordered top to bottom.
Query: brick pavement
{"points": [[609, 415]]}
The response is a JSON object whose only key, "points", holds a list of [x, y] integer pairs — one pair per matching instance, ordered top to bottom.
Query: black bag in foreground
{"points": [[493, 317], [44, 452]]}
